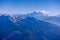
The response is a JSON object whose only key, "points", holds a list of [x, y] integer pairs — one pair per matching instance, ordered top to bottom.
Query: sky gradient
{"points": [[50, 7]]}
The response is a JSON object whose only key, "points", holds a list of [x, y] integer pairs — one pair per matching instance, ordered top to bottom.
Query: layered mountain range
{"points": [[31, 26]]}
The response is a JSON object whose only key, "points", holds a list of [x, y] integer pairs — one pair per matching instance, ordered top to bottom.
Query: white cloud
{"points": [[44, 11], [47, 12]]}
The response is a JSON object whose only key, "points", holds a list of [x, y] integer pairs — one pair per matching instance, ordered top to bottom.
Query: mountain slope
{"points": [[29, 28]]}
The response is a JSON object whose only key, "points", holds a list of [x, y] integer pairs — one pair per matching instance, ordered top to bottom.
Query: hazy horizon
{"points": [[50, 7]]}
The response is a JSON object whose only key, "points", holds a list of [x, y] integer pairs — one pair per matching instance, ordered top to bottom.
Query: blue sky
{"points": [[52, 7]]}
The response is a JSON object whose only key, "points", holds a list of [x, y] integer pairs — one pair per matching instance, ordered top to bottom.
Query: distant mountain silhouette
{"points": [[37, 15], [46, 18], [54, 19], [29, 28]]}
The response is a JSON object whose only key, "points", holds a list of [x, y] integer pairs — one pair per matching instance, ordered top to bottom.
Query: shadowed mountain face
{"points": [[29, 28]]}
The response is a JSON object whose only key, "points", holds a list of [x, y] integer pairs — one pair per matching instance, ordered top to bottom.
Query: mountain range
{"points": [[31, 26]]}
